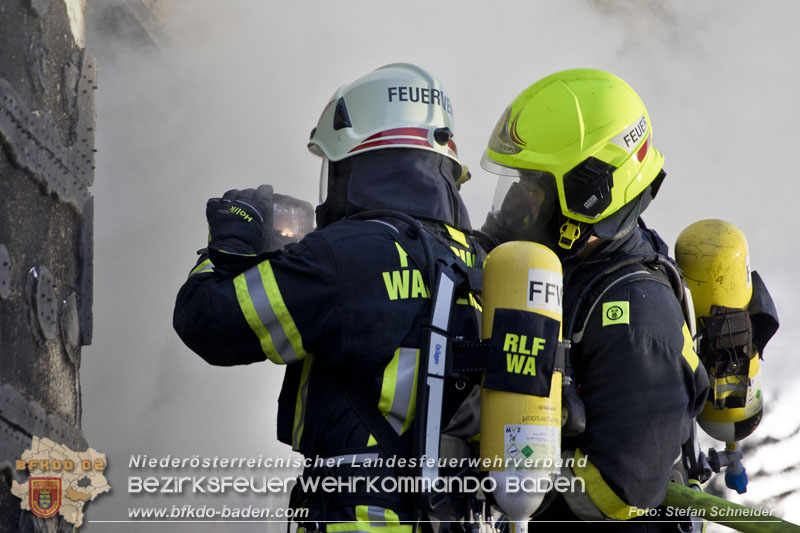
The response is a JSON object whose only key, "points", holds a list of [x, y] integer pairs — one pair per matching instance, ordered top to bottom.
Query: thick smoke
{"points": [[224, 96]]}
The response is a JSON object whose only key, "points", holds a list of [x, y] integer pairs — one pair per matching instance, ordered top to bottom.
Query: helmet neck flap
{"points": [[420, 183]]}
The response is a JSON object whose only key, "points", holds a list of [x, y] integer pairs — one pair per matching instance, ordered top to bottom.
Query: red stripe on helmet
{"points": [[412, 132], [513, 132], [385, 142], [452, 147], [643, 150]]}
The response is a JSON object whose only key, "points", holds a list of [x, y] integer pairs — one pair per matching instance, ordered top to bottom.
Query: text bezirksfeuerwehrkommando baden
{"points": [[526, 481], [352, 484]]}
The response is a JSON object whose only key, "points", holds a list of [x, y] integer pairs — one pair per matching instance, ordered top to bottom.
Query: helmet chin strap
{"points": [[570, 232], [573, 238]]}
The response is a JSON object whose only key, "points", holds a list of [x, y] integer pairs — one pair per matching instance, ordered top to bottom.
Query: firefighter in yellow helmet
{"points": [[577, 167]]}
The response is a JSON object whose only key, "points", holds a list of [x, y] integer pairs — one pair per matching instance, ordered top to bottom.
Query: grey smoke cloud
{"points": [[229, 100]]}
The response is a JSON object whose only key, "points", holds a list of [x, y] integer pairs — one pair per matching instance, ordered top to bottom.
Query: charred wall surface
{"points": [[47, 81]]}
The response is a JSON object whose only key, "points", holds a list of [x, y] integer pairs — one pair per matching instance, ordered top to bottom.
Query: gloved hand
{"points": [[240, 225]]}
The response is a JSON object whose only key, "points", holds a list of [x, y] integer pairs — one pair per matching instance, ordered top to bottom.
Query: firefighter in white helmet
{"points": [[343, 310]]}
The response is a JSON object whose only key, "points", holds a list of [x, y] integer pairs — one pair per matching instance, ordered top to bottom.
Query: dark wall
{"points": [[47, 81]]}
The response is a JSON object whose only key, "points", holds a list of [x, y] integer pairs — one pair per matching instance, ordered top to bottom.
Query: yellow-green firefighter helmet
{"points": [[588, 130]]}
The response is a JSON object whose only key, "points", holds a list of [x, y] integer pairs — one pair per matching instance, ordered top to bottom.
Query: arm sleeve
{"points": [[279, 309], [641, 383]]}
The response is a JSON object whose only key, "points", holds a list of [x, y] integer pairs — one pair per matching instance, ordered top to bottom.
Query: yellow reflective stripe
{"points": [[457, 236], [234, 253], [205, 266], [469, 299], [279, 307], [266, 314], [250, 315], [688, 349], [731, 380], [388, 386], [727, 386], [387, 391], [399, 391], [412, 402], [300, 404], [602, 496], [362, 513], [376, 516], [372, 519], [358, 527]]}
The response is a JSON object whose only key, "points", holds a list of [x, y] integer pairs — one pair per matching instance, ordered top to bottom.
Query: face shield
{"points": [[323, 179], [525, 207]]}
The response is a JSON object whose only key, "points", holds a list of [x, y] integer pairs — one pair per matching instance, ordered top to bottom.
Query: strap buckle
{"points": [[570, 232]]}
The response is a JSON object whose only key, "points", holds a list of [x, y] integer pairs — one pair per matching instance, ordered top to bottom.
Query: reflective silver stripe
{"points": [[384, 223], [204, 266], [258, 295], [444, 299], [688, 309], [437, 352], [406, 363], [731, 387], [303, 394], [433, 428], [354, 459], [376, 515]]}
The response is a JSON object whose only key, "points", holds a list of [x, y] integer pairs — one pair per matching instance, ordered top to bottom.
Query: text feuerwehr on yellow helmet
{"points": [[589, 130]]}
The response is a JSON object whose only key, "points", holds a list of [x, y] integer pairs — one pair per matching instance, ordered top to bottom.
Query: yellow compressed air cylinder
{"points": [[714, 257], [715, 260], [521, 432]]}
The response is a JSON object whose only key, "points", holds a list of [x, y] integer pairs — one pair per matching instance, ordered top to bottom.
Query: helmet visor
{"points": [[323, 180], [524, 208]]}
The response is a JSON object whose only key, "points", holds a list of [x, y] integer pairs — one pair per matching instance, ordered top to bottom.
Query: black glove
{"points": [[240, 225]]}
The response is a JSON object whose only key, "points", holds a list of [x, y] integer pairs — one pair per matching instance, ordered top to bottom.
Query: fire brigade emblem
{"points": [[45, 495]]}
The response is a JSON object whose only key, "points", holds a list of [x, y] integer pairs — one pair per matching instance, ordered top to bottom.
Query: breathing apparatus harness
{"points": [[623, 270]]}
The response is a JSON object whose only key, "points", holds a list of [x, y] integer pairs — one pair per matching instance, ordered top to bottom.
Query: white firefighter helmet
{"points": [[396, 106]]}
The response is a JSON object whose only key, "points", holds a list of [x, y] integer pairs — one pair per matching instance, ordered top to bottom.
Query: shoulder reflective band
{"points": [[458, 236], [205, 266], [437, 353]]}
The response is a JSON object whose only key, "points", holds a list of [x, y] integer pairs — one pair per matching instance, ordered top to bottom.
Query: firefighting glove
{"points": [[239, 225]]}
